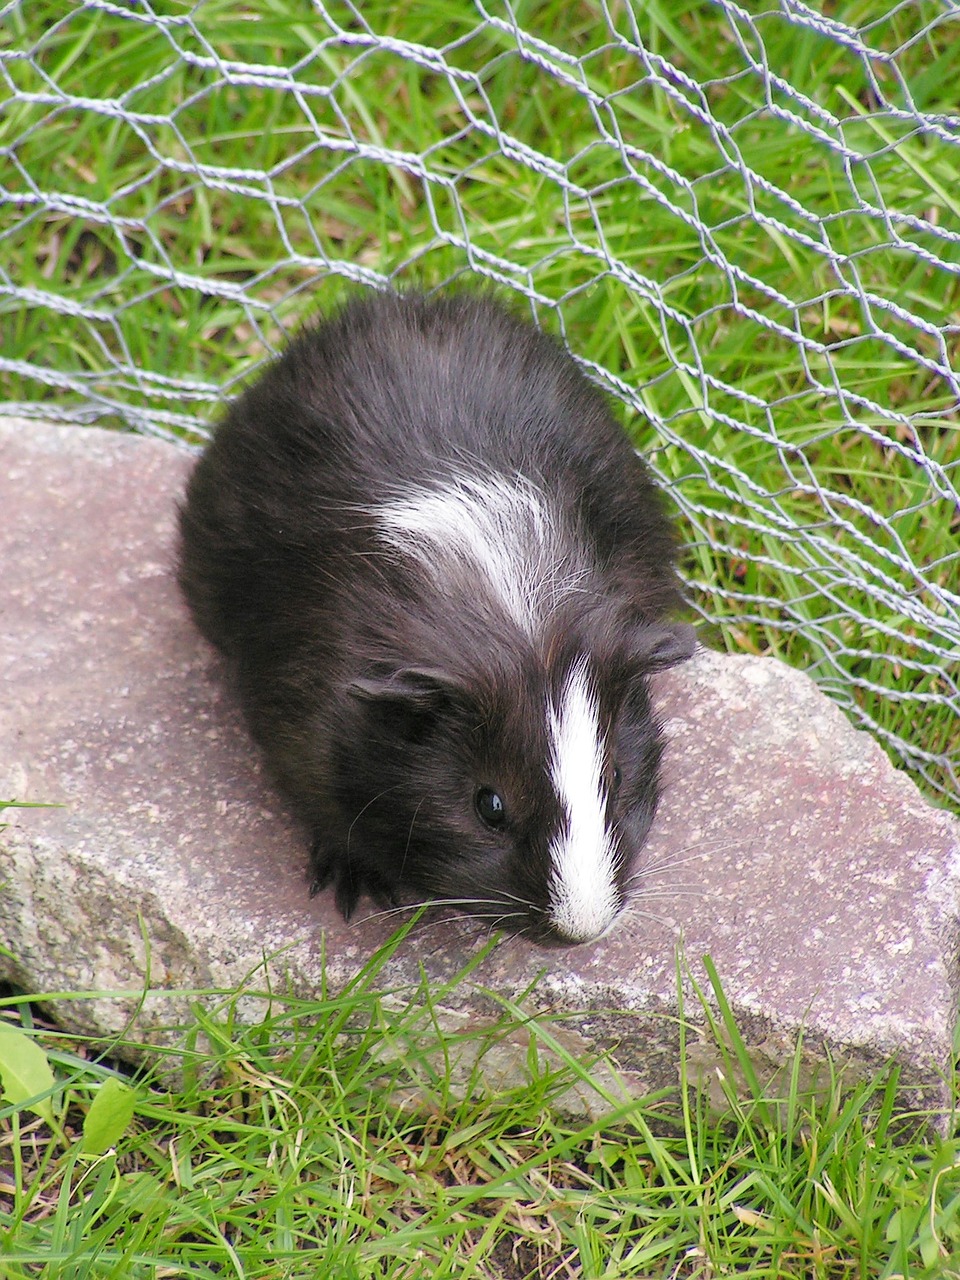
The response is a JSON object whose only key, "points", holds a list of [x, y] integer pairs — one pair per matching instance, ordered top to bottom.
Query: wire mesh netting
{"points": [[744, 222]]}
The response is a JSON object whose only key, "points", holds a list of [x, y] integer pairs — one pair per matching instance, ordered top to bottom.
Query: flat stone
{"points": [[787, 849]]}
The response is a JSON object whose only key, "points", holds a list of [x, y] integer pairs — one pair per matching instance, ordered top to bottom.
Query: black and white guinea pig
{"points": [[442, 574]]}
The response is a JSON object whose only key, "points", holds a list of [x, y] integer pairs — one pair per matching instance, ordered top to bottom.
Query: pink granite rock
{"points": [[787, 848]]}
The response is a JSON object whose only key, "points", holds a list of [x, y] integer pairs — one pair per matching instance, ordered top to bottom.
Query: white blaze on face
{"points": [[584, 898]]}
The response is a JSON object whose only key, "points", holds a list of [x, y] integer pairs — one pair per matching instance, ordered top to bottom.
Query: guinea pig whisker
{"points": [[370, 802], [713, 843], [718, 844], [406, 848], [660, 864], [664, 864], [656, 882], [681, 891], [500, 894], [504, 896], [498, 899], [459, 903], [387, 912], [650, 915], [498, 917]]}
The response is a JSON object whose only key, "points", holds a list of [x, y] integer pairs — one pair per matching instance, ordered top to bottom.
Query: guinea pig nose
{"points": [[570, 928], [559, 938]]}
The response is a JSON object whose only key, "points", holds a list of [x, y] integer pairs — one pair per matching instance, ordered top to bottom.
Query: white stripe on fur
{"points": [[502, 529], [584, 898]]}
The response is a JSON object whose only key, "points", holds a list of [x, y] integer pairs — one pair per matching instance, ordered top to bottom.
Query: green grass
{"points": [[336, 1137]]}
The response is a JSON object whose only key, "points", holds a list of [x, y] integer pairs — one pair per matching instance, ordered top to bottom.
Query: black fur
{"points": [[381, 697]]}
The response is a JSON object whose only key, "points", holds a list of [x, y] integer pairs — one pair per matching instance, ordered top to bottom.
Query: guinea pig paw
{"points": [[322, 865], [347, 893]]}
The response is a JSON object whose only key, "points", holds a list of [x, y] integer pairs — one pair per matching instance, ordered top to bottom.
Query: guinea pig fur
{"points": [[441, 575]]}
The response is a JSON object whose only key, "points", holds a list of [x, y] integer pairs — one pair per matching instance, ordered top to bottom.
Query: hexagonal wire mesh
{"points": [[744, 224]]}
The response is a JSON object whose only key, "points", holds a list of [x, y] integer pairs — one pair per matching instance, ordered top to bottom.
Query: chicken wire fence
{"points": [[743, 220]]}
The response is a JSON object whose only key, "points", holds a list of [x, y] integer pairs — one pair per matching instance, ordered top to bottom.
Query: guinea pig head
{"points": [[522, 797]]}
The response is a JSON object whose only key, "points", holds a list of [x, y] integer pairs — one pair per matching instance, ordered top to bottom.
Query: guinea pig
{"points": [[441, 575]]}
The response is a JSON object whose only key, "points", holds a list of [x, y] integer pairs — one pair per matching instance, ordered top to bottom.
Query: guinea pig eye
{"points": [[617, 777], [490, 807]]}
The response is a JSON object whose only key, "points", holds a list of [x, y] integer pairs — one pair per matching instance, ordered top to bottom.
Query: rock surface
{"points": [[787, 849]]}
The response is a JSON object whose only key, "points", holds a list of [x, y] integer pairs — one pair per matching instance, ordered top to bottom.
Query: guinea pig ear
{"points": [[657, 646], [407, 690]]}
